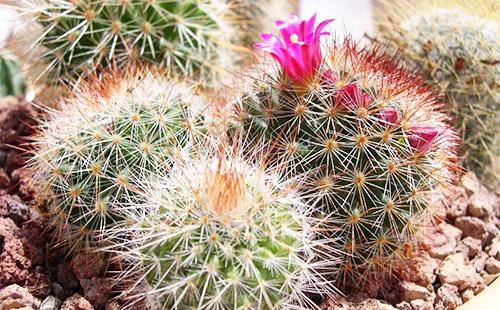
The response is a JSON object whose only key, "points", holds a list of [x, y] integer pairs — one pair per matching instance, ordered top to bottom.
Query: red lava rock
{"points": [[16, 120], [15, 160], [4, 179], [470, 183], [26, 188], [456, 201], [481, 203], [13, 207], [472, 227], [442, 240], [469, 246], [494, 249], [479, 261], [14, 264], [492, 265], [86, 267], [420, 269], [455, 271], [66, 277], [38, 283], [97, 290], [408, 291], [467, 295], [448, 296], [15, 297], [76, 302], [420, 304], [112, 306], [403, 306]]}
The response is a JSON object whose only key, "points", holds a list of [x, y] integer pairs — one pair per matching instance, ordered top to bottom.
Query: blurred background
{"points": [[353, 16]]}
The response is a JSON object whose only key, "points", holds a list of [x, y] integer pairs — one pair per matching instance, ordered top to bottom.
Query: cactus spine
{"points": [[457, 47], [116, 130]]}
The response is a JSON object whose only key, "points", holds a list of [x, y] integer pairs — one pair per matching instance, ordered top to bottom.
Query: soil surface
{"points": [[459, 257]]}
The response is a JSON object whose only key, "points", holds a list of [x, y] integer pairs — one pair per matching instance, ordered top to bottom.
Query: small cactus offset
{"points": [[65, 40], [456, 44], [114, 131], [369, 134], [221, 231]]}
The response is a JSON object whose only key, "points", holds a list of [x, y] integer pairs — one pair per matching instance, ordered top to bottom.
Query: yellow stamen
{"points": [[294, 38]]}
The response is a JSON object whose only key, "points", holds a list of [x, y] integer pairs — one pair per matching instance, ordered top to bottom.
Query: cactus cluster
{"points": [[64, 40], [456, 44], [117, 129], [371, 137], [222, 231]]}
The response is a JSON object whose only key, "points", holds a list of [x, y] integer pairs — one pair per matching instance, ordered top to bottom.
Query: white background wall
{"points": [[351, 16]]}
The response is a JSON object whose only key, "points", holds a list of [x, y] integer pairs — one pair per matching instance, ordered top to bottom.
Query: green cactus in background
{"points": [[64, 40], [456, 45], [11, 79], [116, 130], [372, 139], [223, 232]]}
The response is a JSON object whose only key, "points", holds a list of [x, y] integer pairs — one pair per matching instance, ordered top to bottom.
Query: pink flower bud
{"points": [[297, 48], [329, 77], [351, 96], [389, 115], [421, 137]]}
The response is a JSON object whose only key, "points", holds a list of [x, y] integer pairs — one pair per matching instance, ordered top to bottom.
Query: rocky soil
{"points": [[458, 259]]}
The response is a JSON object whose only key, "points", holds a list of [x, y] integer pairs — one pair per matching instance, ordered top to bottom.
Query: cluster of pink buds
{"points": [[298, 51]]}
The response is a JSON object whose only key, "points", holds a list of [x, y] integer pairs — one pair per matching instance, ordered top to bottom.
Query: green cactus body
{"points": [[71, 39], [456, 45], [11, 80], [90, 155], [373, 181], [221, 232]]}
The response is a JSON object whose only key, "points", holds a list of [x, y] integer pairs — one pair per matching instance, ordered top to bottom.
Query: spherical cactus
{"points": [[64, 40], [456, 44], [114, 131], [369, 134], [222, 231]]}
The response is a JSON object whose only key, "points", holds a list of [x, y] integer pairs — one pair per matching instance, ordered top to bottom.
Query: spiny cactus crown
{"points": [[76, 37], [457, 47], [115, 131], [372, 139], [224, 232]]}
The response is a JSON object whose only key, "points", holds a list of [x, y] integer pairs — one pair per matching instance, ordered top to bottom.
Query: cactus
{"points": [[65, 40], [456, 45], [11, 80], [114, 131], [369, 134], [223, 231]]}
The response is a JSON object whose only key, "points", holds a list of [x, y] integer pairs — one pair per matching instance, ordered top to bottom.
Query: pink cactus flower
{"points": [[298, 47], [329, 77], [351, 96], [389, 115], [421, 137]]}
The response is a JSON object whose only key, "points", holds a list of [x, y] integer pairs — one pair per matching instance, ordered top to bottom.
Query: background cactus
{"points": [[69, 39], [456, 44], [11, 79], [115, 130], [370, 135], [221, 231]]}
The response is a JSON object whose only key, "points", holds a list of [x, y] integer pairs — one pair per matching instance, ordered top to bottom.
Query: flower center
{"points": [[294, 38]]}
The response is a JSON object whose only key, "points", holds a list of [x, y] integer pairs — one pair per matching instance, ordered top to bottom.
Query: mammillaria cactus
{"points": [[65, 40], [456, 44], [114, 131], [370, 135], [222, 231]]}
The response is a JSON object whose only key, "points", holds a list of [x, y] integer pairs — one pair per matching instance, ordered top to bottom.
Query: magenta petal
{"points": [[297, 48], [348, 96], [389, 115], [421, 137]]}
